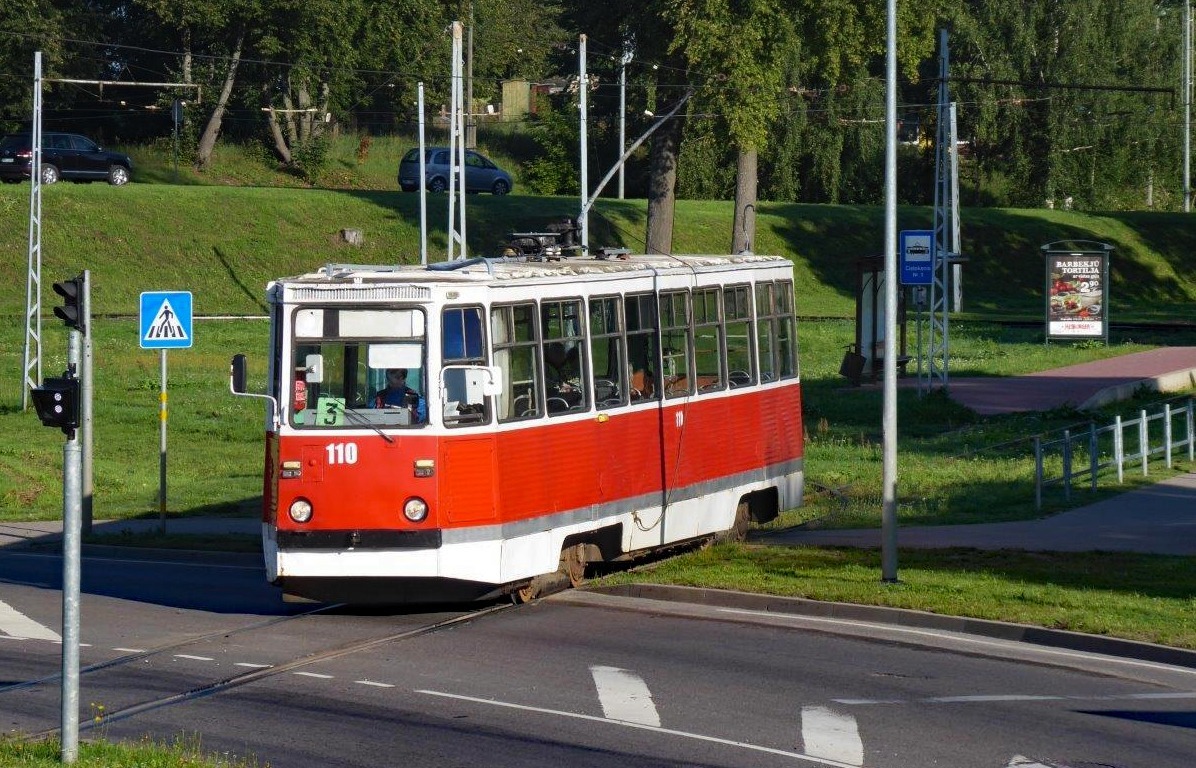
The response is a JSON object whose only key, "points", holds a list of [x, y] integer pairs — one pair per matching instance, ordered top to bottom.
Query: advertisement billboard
{"points": [[1077, 294]]}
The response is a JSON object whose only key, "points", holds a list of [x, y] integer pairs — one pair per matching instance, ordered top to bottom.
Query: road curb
{"points": [[117, 552], [1052, 638]]}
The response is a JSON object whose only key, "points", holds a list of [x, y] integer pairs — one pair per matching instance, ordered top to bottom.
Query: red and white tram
{"points": [[555, 414]]}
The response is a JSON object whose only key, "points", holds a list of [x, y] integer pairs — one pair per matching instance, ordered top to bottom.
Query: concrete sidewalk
{"points": [[1158, 519], [49, 532]]}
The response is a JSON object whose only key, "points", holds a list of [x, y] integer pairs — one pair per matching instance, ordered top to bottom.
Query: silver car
{"points": [[481, 174]]}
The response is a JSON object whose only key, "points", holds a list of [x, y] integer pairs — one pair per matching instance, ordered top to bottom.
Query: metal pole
{"points": [[1187, 74], [582, 91], [623, 114], [471, 126], [423, 187], [32, 371], [86, 410], [162, 445], [1119, 449], [1037, 472], [889, 491], [71, 524]]}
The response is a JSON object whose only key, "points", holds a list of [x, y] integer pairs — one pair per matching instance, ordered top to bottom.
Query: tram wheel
{"points": [[739, 529], [573, 563], [540, 586]]}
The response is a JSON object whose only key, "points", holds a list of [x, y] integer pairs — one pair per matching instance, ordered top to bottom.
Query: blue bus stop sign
{"points": [[915, 248], [165, 320]]}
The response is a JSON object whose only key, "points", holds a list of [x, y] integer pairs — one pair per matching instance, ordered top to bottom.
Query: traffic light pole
{"points": [[71, 546]]}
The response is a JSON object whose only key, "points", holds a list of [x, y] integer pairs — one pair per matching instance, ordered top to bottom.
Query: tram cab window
{"points": [[737, 312], [516, 341], [675, 344], [463, 349], [643, 354], [339, 361], [610, 371], [565, 384]]}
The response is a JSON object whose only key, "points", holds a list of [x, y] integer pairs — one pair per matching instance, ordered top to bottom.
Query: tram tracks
{"points": [[244, 678]]}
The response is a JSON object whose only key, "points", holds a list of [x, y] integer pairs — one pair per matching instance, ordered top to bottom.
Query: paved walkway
{"points": [[1083, 386], [1159, 519]]}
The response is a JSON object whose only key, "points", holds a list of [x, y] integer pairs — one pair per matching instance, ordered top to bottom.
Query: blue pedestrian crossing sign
{"points": [[166, 320]]}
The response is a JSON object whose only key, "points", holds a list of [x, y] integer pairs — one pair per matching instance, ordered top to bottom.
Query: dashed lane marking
{"points": [[18, 625], [193, 658], [313, 674], [374, 684], [624, 696], [654, 729], [829, 734]]}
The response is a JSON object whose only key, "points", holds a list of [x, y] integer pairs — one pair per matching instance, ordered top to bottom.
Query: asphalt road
{"points": [[580, 679]]}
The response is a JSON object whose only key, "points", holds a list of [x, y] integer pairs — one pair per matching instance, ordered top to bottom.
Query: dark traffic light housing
{"points": [[71, 311], [57, 403]]}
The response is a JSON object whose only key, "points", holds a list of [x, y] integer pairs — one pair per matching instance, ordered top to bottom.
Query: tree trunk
{"points": [[272, 122], [207, 142], [662, 187], [744, 235]]}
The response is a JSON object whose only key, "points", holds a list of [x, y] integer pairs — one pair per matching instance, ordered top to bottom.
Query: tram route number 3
{"points": [[342, 453]]}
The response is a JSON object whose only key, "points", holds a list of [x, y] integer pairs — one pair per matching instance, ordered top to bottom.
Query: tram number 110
{"points": [[342, 453]]}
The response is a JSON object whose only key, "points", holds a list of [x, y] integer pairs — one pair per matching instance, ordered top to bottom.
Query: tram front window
{"points": [[340, 359]]}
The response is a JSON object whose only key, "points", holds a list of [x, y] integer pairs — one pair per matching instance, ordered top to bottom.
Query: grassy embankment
{"points": [[223, 243]]}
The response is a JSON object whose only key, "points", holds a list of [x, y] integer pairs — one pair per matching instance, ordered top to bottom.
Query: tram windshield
{"points": [[357, 367]]}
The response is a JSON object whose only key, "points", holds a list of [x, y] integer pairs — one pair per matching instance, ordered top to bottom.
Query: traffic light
{"points": [[71, 311], [57, 403]]}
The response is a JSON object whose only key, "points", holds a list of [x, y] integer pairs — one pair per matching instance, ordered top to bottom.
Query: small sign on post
{"points": [[916, 249], [165, 324]]}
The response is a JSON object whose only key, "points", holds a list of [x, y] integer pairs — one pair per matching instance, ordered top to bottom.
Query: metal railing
{"points": [[1079, 454]]}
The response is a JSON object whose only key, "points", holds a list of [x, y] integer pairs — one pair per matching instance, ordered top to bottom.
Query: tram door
{"points": [[627, 364], [467, 455]]}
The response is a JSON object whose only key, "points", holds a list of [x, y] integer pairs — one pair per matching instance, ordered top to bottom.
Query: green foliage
{"points": [[311, 157], [552, 171], [184, 752]]}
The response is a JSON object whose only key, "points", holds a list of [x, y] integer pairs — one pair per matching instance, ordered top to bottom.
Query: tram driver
{"points": [[396, 394]]}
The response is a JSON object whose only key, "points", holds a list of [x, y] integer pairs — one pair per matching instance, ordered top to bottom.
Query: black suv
{"points": [[64, 156]]}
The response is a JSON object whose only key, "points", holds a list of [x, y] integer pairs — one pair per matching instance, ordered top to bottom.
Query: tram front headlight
{"points": [[415, 509], [300, 510]]}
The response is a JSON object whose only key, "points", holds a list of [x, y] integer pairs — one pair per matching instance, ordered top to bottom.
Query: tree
{"points": [[736, 46]]}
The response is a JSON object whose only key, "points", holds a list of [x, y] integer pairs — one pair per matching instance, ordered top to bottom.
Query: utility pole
{"points": [[627, 56], [583, 88], [471, 126], [32, 370]]}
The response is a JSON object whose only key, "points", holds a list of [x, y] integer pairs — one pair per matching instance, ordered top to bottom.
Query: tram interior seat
{"points": [[641, 384]]}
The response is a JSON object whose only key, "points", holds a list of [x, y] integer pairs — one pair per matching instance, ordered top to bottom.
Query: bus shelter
{"points": [[865, 357]]}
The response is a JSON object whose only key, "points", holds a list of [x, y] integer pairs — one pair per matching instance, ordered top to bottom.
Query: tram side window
{"points": [[737, 309], [776, 330], [786, 330], [708, 340], [675, 343], [463, 344], [516, 344], [606, 352], [643, 355], [565, 390]]}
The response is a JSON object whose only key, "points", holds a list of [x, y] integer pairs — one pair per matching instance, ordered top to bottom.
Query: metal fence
{"points": [[1078, 453]]}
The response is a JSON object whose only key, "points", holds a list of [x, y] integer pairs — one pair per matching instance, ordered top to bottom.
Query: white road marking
{"points": [[16, 624], [979, 641], [130, 650], [193, 658], [252, 666], [313, 674], [371, 682], [624, 696], [1018, 697], [642, 727], [826, 733], [1017, 761]]}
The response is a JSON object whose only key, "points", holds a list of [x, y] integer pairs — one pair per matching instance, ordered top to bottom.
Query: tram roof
{"points": [[481, 269]]}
